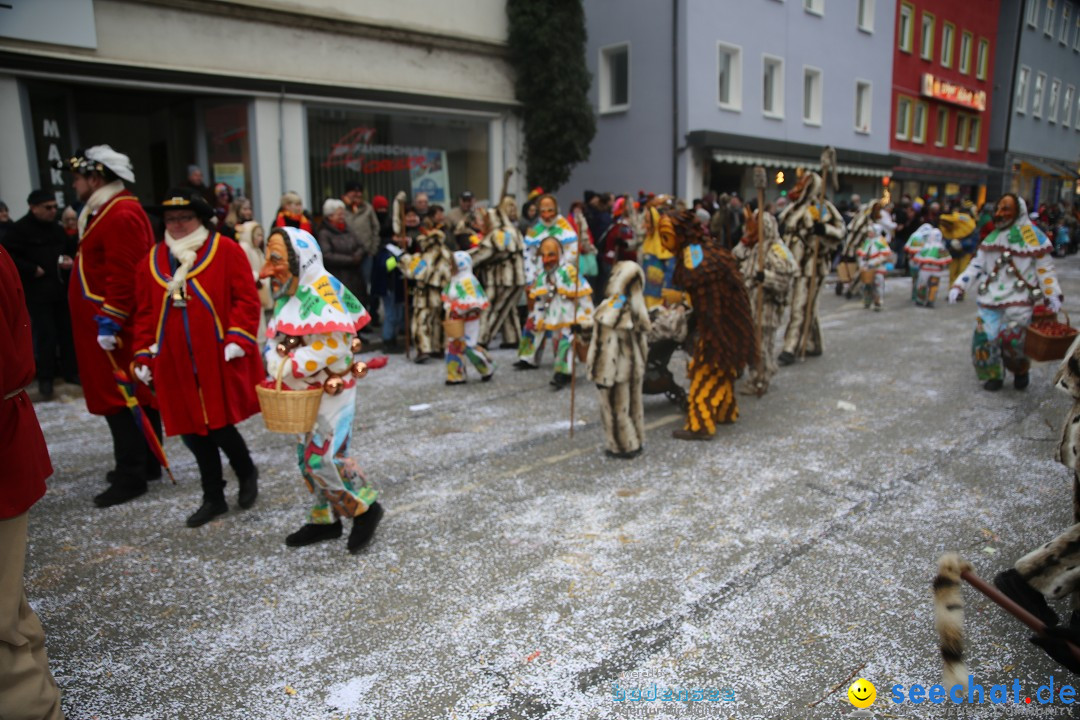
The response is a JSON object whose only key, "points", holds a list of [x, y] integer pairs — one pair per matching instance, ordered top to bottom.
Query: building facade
{"points": [[943, 76], [691, 94], [265, 97], [1035, 135]]}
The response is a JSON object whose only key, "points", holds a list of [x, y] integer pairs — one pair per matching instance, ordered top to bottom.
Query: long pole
{"points": [[759, 301], [573, 335]]}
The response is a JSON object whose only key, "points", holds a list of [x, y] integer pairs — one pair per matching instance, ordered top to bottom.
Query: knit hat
{"points": [[379, 202]]}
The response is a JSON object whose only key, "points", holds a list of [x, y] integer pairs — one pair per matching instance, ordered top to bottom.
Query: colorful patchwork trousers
{"points": [[928, 285], [874, 293], [999, 341], [532, 344], [458, 350], [712, 397]]}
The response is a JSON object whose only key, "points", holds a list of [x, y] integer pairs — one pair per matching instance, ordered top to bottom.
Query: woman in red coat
{"points": [[195, 340]]}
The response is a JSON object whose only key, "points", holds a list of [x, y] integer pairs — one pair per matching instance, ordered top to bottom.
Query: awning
{"points": [[780, 161], [914, 166], [1040, 168], [1067, 171]]}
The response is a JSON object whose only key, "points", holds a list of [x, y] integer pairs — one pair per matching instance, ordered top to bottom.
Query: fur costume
{"points": [[797, 225], [862, 225], [874, 255], [499, 261], [931, 263], [429, 266], [779, 270], [1014, 270], [554, 295], [464, 299], [321, 318], [724, 324], [616, 360], [1068, 452], [949, 617]]}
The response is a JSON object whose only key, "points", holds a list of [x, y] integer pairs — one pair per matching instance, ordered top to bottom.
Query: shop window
{"points": [[1033, 13], [866, 15], [1048, 18], [904, 30], [926, 37], [1063, 38], [948, 39], [966, 39], [982, 58], [729, 75], [615, 78], [1022, 79], [813, 82], [773, 86], [1055, 94], [863, 95], [1037, 97], [1067, 106], [903, 117], [918, 122], [974, 129], [942, 133], [960, 136], [228, 146], [441, 155]]}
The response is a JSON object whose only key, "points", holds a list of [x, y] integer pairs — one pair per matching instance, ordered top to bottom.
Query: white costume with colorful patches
{"points": [[560, 229], [913, 247], [874, 255], [932, 263], [555, 295], [464, 299], [325, 315]]}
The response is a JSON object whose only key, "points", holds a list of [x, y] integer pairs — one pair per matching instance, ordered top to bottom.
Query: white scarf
{"points": [[96, 201], [184, 249]]}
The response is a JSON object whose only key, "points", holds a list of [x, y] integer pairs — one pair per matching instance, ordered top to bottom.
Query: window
{"points": [[817, 7], [1033, 13], [866, 15], [1048, 19], [904, 27], [1076, 35], [948, 36], [926, 37], [1063, 38], [966, 39], [982, 57], [729, 76], [615, 78], [1022, 79], [773, 86], [812, 92], [1055, 94], [1037, 97], [862, 106], [1067, 106], [1078, 112], [903, 117], [918, 123], [974, 128], [942, 135], [960, 137]]}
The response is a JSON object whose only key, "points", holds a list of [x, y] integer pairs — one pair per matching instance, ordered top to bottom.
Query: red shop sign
{"points": [[950, 92]]}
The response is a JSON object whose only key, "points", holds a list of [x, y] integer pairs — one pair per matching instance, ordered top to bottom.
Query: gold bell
{"points": [[287, 345], [355, 345], [359, 369], [334, 386]]}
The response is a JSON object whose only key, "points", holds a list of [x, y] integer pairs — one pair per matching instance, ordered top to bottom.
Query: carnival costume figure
{"points": [[861, 227], [913, 247], [874, 255], [499, 261], [932, 263], [429, 266], [463, 301]]}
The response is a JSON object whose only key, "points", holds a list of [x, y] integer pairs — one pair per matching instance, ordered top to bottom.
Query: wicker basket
{"points": [[847, 271], [867, 276], [454, 328], [1042, 347], [288, 411]]}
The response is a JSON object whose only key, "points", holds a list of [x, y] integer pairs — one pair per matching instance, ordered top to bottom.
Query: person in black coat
{"points": [[43, 254]]}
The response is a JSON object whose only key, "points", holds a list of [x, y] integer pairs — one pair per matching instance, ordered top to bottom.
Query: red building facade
{"points": [[943, 64]]}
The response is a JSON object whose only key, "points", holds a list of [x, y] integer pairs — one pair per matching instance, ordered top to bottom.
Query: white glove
{"points": [[954, 295], [1054, 302], [107, 342], [153, 349], [233, 351], [142, 372]]}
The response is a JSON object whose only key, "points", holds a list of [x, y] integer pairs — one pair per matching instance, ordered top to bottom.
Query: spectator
{"points": [[195, 183], [222, 204], [422, 204], [242, 211], [291, 213], [529, 216], [436, 217], [458, 218], [69, 220], [6, 223], [364, 226], [42, 251], [342, 253], [386, 282]]}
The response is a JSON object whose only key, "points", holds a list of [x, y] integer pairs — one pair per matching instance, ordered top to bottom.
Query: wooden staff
{"points": [[828, 158], [398, 220], [759, 300], [573, 335]]}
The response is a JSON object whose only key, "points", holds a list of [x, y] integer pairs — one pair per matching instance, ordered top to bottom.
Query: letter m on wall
{"points": [[50, 128]]}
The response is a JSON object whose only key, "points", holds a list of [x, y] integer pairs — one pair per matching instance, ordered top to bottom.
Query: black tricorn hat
{"points": [[183, 199]]}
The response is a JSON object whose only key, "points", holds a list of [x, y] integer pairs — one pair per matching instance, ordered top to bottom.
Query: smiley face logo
{"points": [[862, 693]]}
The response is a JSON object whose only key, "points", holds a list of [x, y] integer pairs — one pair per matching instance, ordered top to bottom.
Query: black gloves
{"points": [[819, 227], [759, 276]]}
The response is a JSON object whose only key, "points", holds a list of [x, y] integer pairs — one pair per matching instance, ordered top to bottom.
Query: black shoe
{"points": [[508, 346], [817, 353], [438, 355], [421, 358], [785, 358], [525, 365], [487, 378], [560, 380], [1021, 381], [456, 382], [993, 385], [45, 388], [623, 455], [249, 489], [121, 490], [209, 510], [363, 528], [313, 533], [1012, 584]]}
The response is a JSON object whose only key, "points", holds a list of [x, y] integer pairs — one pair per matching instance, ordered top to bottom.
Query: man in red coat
{"points": [[114, 235], [196, 320], [27, 688]]}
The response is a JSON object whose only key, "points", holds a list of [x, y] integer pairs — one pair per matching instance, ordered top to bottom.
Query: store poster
{"points": [[232, 174], [431, 177]]}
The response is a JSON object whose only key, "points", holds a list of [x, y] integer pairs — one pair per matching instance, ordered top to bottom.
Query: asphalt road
{"points": [[522, 574]]}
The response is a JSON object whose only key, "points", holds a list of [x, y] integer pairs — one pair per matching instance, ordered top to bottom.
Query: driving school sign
{"points": [[950, 92]]}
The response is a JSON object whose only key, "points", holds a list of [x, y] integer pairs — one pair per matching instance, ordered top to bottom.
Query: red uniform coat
{"points": [[116, 238], [196, 389], [22, 446]]}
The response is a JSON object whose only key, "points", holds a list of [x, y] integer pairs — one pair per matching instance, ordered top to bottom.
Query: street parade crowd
{"points": [[184, 335]]}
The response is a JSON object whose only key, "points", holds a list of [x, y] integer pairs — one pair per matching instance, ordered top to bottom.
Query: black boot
{"points": [[785, 358], [560, 380], [1021, 381], [993, 385], [45, 389], [122, 488], [249, 488], [213, 504], [363, 528], [313, 533]]}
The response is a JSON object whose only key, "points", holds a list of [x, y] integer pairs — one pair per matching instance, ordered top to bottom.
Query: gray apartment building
{"points": [[690, 95], [1035, 122]]}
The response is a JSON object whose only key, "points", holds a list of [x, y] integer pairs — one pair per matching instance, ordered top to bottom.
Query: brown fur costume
{"points": [[430, 266]]}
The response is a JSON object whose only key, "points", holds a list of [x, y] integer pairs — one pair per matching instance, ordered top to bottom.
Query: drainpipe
{"points": [[675, 97], [1012, 98], [281, 138]]}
